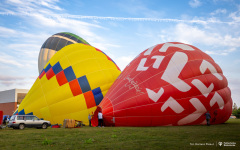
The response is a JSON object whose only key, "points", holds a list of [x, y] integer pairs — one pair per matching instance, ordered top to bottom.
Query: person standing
{"points": [[9, 117], [208, 117], [89, 118], [100, 119], [5, 120]]}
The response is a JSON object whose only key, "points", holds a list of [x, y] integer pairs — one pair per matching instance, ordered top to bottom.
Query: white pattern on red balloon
{"points": [[182, 46], [149, 50], [158, 61], [207, 65], [141, 66], [171, 74], [202, 88], [155, 96], [217, 99], [173, 104], [200, 110]]}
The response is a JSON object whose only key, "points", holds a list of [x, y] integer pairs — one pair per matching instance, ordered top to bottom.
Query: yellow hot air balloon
{"points": [[71, 85]]}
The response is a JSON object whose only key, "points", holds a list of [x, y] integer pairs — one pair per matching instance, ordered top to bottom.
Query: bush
{"points": [[236, 113]]}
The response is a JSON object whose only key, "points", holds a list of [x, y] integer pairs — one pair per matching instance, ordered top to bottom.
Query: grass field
{"points": [[176, 137]]}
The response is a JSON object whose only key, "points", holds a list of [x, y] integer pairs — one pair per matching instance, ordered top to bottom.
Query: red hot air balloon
{"points": [[168, 84]]}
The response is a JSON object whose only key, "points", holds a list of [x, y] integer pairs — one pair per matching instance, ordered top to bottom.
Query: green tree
{"points": [[236, 113]]}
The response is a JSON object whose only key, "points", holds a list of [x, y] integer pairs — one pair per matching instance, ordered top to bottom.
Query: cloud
{"points": [[49, 3], [195, 3], [34, 4], [134, 7], [219, 11], [235, 15], [46, 17], [64, 20], [44, 21], [6, 32], [193, 34], [21, 36], [104, 45], [20, 49], [26, 49], [221, 52], [215, 53], [6, 59], [123, 61], [9, 80], [12, 82], [7, 83], [21, 84], [235, 88]]}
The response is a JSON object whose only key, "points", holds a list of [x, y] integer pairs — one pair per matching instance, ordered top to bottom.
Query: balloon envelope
{"points": [[54, 44], [168, 84], [71, 85], [1, 117]]}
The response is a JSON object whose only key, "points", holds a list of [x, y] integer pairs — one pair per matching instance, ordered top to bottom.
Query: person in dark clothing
{"points": [[208, 117], [5, 120]]}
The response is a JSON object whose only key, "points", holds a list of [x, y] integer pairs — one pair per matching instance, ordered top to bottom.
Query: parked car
{"points": [[22, 121]]}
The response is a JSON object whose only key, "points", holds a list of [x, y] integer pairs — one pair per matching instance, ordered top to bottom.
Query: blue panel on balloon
{"points": [[48, 67], [57, 68], [41, 72], [69, 74], [84, 84], [97, 95], [15, 112], [22, 112], [31, 113]]}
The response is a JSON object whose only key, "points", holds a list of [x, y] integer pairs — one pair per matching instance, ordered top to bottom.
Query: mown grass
{"points": [[177, 137]]}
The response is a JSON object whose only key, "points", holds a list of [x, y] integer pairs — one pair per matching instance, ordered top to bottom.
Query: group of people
{"points": [[6, 119], [100, 119]]}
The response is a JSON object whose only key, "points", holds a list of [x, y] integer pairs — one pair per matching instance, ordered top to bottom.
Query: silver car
{"points": [[22, 121]]}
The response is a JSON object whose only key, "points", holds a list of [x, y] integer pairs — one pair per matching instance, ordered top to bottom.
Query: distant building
{"points": [[10, 100]]}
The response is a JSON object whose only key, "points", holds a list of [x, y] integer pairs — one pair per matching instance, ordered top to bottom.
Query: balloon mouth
{"points": [[94, 120], [107, 120]]}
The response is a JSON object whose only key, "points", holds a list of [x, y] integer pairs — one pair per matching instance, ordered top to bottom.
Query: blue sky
{"points": [[122, 29]]}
